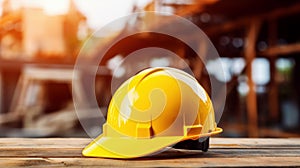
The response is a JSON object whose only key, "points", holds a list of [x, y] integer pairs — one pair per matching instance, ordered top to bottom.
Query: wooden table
{"points": [[224, 152]]}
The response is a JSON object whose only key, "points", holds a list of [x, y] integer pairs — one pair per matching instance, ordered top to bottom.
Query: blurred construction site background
{"points": [[258, 42]]}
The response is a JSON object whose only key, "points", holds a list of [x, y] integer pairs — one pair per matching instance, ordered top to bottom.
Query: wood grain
{"points": [[286, 49], [250, 54], [224, 152]]}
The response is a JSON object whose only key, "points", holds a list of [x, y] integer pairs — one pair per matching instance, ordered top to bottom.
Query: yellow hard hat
{"points": [[154, 109]]}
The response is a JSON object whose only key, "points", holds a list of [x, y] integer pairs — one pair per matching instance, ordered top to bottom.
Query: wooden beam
{"points": [[196, 7], [183, 11], [242, 22], [281, 50], [250, 54], [1, 92], [273, 102]]}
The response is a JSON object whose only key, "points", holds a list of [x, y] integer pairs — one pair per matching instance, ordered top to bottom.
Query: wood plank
{"points": [[263, 131], [80, 142], [255, 142], [54, 147], [71, 147], [231, 150], [224, 152], [178, 162]]}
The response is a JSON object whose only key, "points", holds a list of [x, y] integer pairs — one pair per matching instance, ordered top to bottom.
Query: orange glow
{"points": [[51, 7]]}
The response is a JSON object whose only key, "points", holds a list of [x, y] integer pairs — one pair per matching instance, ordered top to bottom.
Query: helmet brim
{"points": [[127, 147], [131, 147]]}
